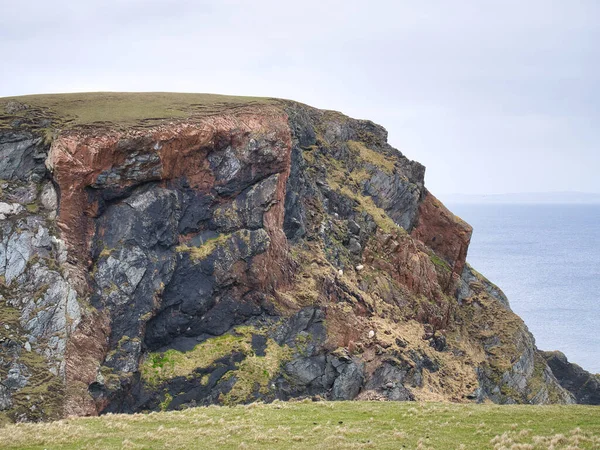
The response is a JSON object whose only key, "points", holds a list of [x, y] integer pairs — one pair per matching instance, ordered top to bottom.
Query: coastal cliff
{"points": [[161, 251]]}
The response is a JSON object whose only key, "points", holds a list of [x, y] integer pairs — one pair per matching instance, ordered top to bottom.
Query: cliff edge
{"points": [[160, 251]]}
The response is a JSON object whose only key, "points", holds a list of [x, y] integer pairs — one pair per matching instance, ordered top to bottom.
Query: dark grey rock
{"points": [[22, 156], [397, 196], [247, 210], [354, 246], [469, 277], [306, 371], [17, 376], [387, 381], [349, 382], [584, 385], [5, 398]]}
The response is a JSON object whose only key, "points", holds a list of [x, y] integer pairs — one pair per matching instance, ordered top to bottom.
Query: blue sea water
{"points": [[546, 259]]}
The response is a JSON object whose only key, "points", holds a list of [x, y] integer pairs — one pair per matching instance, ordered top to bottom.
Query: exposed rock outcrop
{"points": [[256, 251], [584, 386]]}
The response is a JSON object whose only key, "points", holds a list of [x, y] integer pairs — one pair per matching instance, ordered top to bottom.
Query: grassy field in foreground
{"points": [[323, 425]]}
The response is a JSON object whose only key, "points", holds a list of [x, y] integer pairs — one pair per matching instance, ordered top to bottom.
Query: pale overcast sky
{"points": [[492, 96]]}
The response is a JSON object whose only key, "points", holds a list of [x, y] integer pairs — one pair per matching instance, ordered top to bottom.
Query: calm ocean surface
{"points": [[546, 259]]}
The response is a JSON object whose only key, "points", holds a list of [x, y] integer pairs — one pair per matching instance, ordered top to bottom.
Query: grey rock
{"points": [[13, 107], [22, 156], [226, 164], [140, 166], [23, 194], [397, 196], [48, 197], [248, 208], [8, 209], [146, 218], [354, 227], [42, 240], [354, 246], [60, 249], [18, 252], [121, 272], [465, 290], [47, 303], [52, 316], [308, 322], [125, 358], [306, 370], [17, 376], [387, 381], [349, 382], [584, 385], [5, 398]]}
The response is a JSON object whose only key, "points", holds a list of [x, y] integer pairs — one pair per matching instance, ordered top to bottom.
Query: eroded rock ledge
{"points": [[259, 252]]}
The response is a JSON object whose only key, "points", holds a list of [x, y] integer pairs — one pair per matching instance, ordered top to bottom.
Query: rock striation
{"points": [[251, 250]]}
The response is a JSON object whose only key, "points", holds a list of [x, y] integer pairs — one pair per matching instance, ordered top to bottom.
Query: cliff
{"points": [[160, 251]]}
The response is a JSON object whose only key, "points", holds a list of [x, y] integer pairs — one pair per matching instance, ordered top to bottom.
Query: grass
{"points": [[120, 108], [385, 163], [349, 184], [367, 205], [33, 208], [200, 253], [439, 262], [159, 367], [256, 371], [251, 373], [331, 425]]}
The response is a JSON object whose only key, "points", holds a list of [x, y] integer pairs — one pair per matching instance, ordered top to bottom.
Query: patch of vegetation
{"points": [[117, 108], [309, 155], [385, 163], [339, 182], [350, 184], [367, 205], [33, 208], [204, 250], [106, 252], [440, 263], [160, 367], [255, 373], [251, 374], [538, 381], [41, 398], [166, 402], [381, 425]]}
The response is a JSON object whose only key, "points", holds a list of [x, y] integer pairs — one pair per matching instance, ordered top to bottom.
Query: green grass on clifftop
{"points": [[117, 108], [330, 425]]}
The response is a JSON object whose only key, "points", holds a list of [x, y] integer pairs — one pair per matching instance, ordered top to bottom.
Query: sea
{"points": [[546, 259]]}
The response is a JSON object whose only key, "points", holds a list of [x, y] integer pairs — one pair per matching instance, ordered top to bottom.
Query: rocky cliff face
{"points": [[257, 250], [583, 385]]}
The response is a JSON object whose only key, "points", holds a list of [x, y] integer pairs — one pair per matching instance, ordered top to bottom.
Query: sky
{"points": [[491, 96]]}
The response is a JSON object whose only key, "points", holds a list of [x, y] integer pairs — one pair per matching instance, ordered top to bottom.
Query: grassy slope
{"points": [[119, 108], [324, 425]]}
